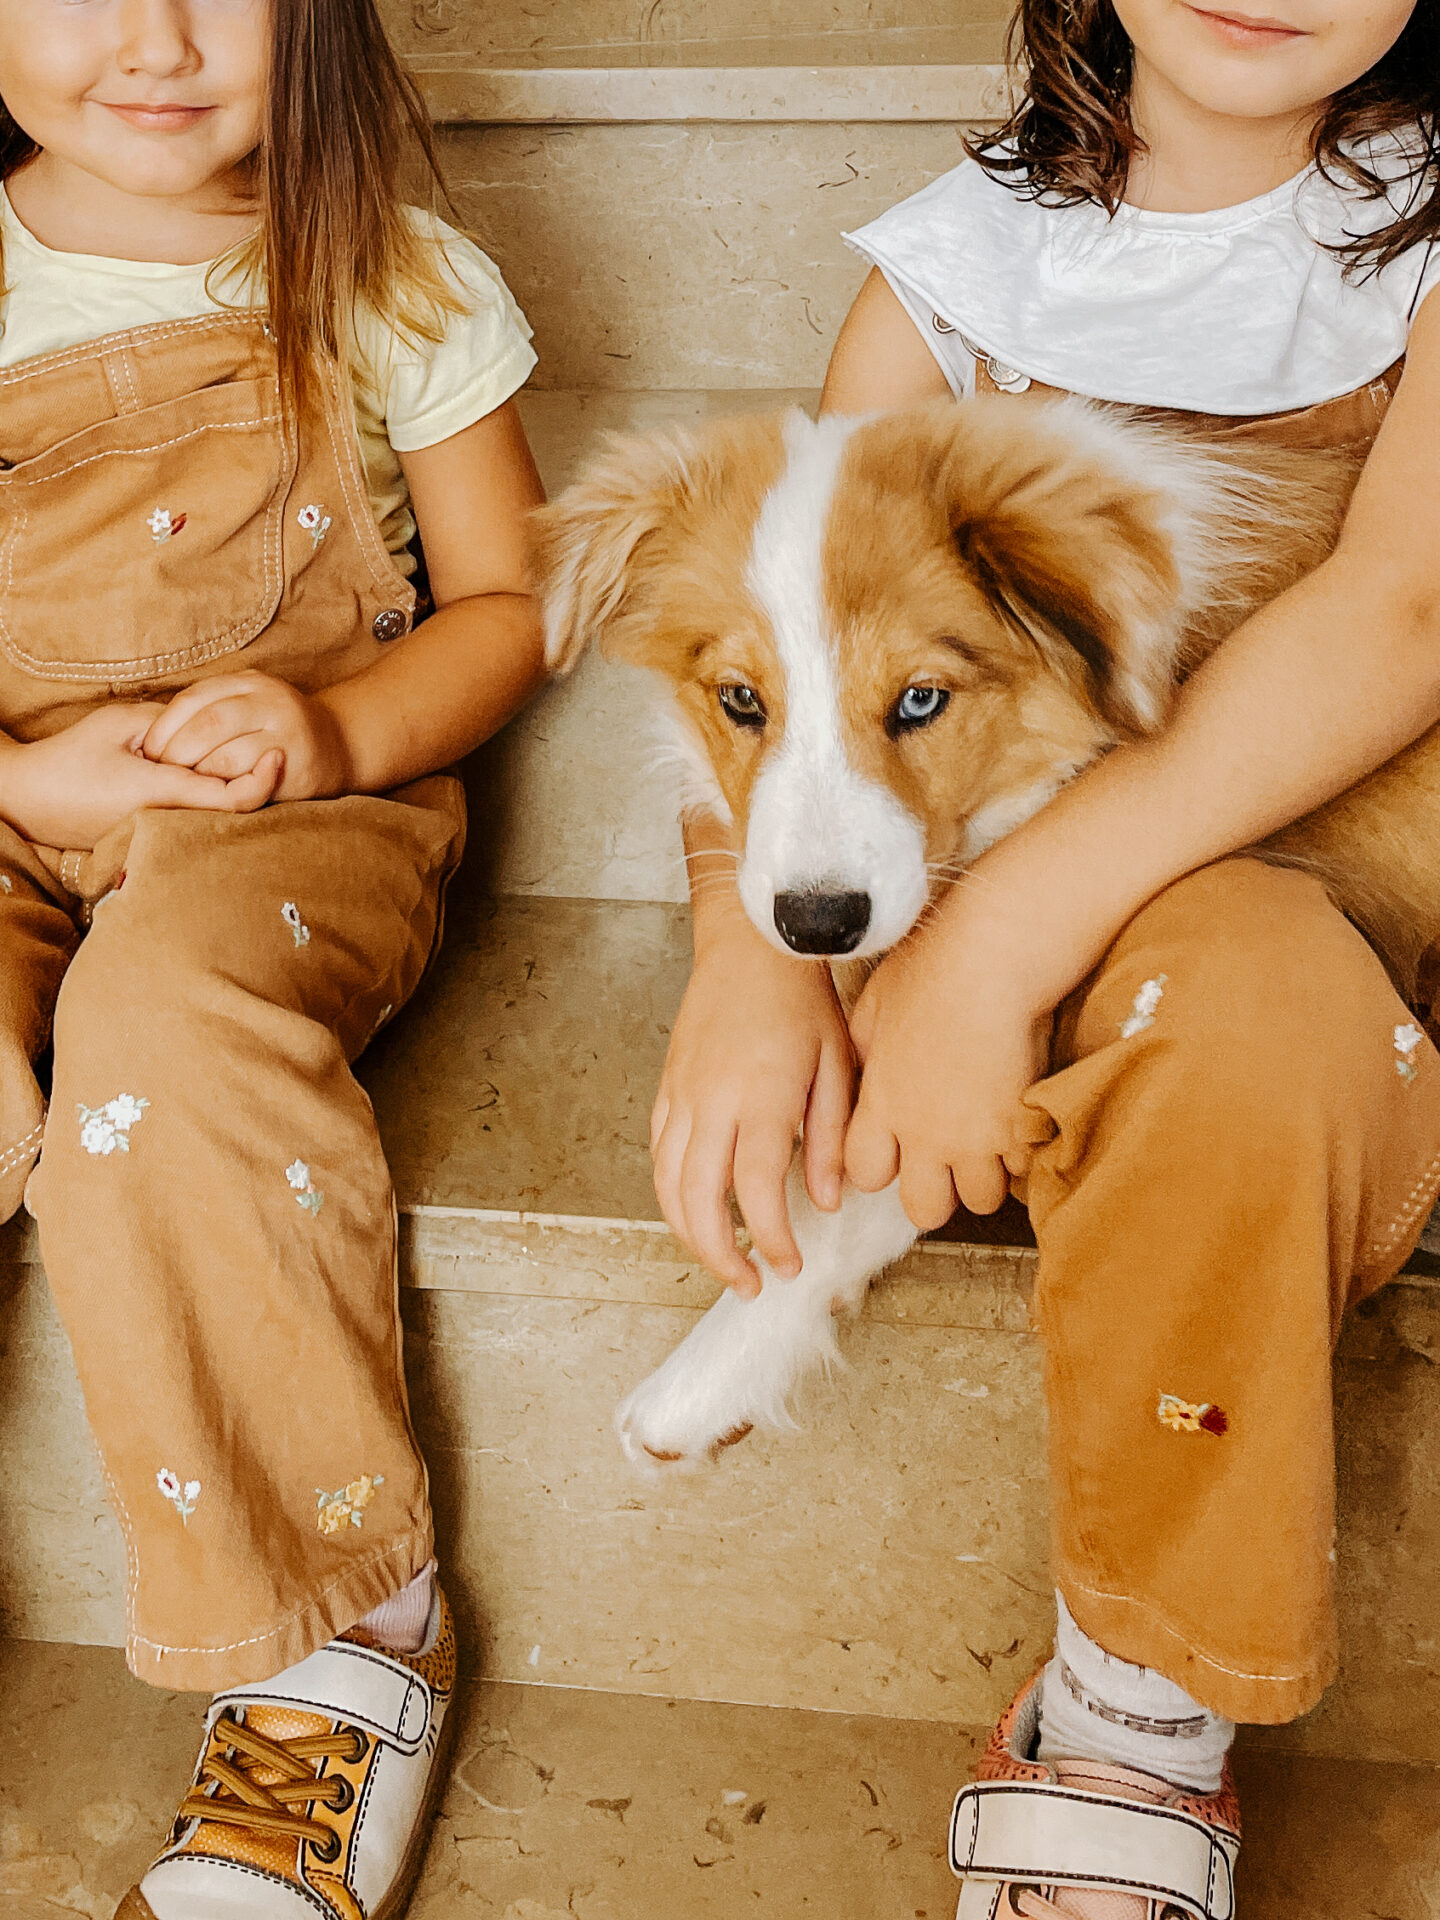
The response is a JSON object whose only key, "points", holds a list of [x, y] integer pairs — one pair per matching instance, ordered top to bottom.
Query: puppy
{"points": [[884, 643]]}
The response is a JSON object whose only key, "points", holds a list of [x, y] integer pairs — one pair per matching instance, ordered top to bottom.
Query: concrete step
{"points": [[508, 31], [890, 1560], [568, 1805]]}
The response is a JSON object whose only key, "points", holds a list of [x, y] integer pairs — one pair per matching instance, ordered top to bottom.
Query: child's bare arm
{"points": [[1325, 684], [435, 694], [761, 1048]]}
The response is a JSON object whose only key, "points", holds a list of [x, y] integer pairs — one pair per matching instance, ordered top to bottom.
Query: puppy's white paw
{"points": [[737, 1370]]}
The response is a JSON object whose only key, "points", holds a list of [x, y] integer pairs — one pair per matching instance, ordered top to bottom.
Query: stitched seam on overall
{"points": [[161, 330], [129, 376], [362, 516], [141, 666], [17, 1153], [1419, 1198], [132, 1552], [261, 1639], [1237, 1673]]}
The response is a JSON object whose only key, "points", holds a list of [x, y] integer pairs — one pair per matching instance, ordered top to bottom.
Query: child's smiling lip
{"points": [[1249, 30], [161, 116]]}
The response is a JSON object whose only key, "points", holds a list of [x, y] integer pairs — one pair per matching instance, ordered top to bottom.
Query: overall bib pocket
{"points": [[182, 559]]}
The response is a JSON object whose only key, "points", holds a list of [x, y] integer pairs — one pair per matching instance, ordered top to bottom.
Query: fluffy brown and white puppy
{"points": [[884, 643]]}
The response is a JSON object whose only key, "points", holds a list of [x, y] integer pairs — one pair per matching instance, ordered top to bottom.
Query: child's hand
{"points": [[228, 725], [70, 790], [948, 1044], [760, 1050]]}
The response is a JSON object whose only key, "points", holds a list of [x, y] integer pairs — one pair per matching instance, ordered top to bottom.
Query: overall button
{"points": [[390, 624]]}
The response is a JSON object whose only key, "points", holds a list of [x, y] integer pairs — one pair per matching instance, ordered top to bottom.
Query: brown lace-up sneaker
{"points": [[315, 1791]]}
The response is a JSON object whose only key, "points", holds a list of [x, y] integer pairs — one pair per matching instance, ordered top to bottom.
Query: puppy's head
{"points": [[886, 642]]}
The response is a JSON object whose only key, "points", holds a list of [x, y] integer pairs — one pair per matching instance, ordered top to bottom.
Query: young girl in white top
{"points": [[236, 375], [1225, 1121]]}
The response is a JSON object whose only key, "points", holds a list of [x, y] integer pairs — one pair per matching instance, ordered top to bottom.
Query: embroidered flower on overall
{"points": [[315, 521], [164, 525], [7, 885], [290, 914], [1147, 1004], [1407, 1039], [106, 1129], [307, 1194], [1185, 1416], [182, 1498], [347, 1506]]}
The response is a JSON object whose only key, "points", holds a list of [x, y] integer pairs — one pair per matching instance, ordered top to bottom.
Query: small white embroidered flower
{"points": [[315, 521], [164, 525], [7, 885], [290, 914], [1146, 1005], [1407, 1039], [104, 1129], [307, 1194], [181, 1498]]}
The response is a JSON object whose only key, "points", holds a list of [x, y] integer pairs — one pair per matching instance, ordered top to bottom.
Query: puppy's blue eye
{"points": [[743, 705], [917, 707]]}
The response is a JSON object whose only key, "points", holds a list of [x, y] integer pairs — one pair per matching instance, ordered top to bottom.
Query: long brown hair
{"points": [[343, 122], [1070, 137]]}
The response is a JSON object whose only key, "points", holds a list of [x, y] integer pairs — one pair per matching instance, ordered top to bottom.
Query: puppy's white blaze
{"points": [[815, 821]]}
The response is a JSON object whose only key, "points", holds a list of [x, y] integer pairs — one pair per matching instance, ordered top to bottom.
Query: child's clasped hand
{"points": [[240, 724]]}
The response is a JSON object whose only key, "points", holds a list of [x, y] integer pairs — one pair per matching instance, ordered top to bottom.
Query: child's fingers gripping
{"points": [[241, 755], [256, 789], [832, 1099], [872, 1153], [762, 1162], [981, 1182], [927, 1192], [710, 1230]]}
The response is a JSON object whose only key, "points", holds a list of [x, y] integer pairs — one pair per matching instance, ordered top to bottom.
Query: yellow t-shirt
{"points": [[407, 395]]}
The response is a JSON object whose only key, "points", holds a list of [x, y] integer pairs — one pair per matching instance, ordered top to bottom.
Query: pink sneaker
{"points": [[1084, 1841]]}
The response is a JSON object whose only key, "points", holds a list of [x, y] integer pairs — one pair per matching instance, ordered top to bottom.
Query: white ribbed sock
{"points": [[400, 1622], [1098, 1707]]}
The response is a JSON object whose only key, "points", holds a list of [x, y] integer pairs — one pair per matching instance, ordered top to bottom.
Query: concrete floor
{"points": [[567, 1805]]}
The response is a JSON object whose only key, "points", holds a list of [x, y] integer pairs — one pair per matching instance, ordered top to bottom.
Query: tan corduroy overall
{"points": [[1240, 1137], [215, 1212]]}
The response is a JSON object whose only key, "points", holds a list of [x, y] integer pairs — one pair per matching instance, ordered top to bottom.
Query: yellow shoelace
{"points": [[283, 1807]]}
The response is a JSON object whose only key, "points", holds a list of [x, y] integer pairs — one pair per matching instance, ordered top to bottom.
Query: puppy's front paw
{"points": [[737, 1370]]}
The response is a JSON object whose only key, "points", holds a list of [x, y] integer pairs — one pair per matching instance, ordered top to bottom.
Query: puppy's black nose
{"points": [[822, 922]]}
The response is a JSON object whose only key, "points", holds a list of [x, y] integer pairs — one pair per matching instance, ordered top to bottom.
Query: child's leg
{"points": [[37, 939], [1247, 1137], [217, 1222]]}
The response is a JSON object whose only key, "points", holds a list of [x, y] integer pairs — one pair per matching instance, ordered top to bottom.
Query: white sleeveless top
{"points": [[1239, 311]]}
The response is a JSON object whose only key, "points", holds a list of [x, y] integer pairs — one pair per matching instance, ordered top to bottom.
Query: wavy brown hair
{"points": [[344, 124], [1070, 139]]}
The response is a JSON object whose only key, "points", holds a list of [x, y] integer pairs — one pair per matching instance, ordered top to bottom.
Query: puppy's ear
{"points": [[1055, 518], [584, 545]]}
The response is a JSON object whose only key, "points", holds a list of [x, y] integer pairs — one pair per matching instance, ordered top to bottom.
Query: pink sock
{"points": [[401, 1622]]}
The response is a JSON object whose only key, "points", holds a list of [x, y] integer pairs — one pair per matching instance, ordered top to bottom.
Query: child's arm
{"points": [[1325, 684], [432, 696], [761, 1050]]}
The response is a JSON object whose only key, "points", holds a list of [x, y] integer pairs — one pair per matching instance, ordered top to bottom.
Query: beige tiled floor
{"points": [[588, 1806]]}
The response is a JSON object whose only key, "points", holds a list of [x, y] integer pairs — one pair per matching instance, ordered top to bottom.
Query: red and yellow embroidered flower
{"points": [[1185, 1416]]}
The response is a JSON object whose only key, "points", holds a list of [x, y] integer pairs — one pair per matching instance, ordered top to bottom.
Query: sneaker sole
{"points": [[136, 1907]]}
